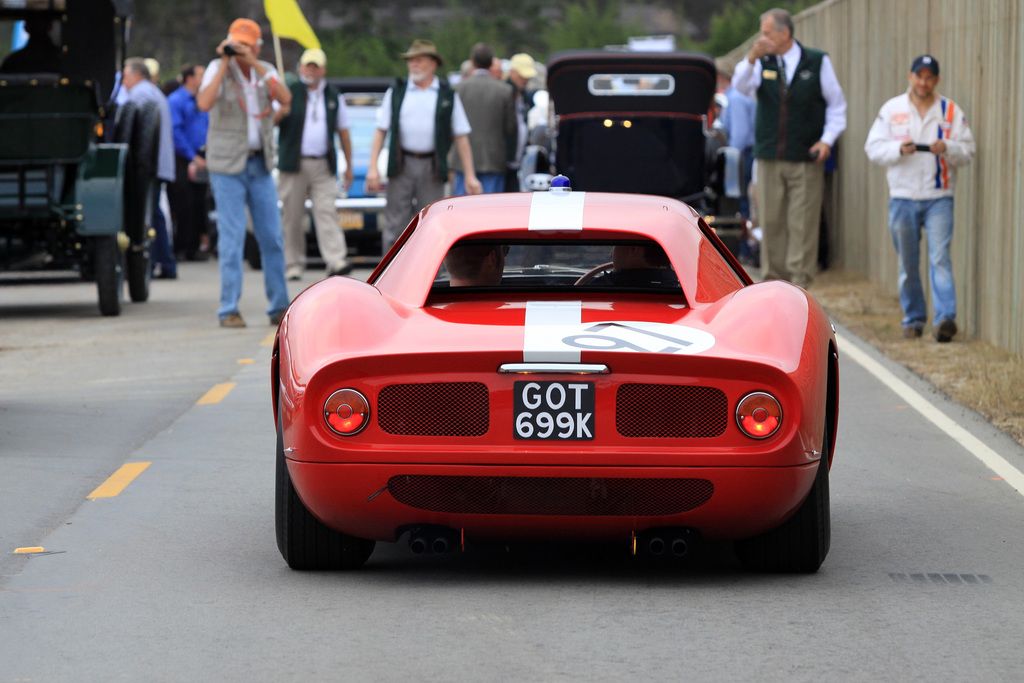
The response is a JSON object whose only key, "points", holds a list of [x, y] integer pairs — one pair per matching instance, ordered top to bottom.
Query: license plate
{"points": [[350, 220], [554, 411]]}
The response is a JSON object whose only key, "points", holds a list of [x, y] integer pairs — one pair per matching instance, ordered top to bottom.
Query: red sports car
{"points": [[549, 366]]}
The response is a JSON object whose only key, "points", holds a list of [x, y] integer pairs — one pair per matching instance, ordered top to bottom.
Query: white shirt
{"points": [[747, 79], [252, 104], [416, 117], [314, 132], [921, 175]]}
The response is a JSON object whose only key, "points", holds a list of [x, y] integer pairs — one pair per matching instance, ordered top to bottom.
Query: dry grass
{"points": [[972, 372]]}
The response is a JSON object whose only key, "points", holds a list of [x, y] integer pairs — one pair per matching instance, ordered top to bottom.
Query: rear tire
{"points": [[109, 272], [139, 273], [304, 541], [801, 543]]}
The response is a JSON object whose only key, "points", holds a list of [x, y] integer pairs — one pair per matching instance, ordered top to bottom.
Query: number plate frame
{"points": [[553, 410]]}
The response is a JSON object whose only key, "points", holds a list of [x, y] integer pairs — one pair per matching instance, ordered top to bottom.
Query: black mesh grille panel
{"points": [[434, 409], [670, 411], [550, 495]]}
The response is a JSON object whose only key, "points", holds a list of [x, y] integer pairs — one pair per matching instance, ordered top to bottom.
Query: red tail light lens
{"points": [[347, 412], [759, 415]]}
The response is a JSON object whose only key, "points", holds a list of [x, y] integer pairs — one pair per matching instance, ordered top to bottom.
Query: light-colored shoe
{"points": [[294, 273], [232, 320]]}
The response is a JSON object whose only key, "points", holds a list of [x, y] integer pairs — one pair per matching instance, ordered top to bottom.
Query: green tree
{"points": [[736, 23], [588, 25]]}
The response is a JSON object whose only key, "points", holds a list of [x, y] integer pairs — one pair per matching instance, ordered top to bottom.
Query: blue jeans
{"points": [[492, 182], [253, 188], [906, 217]]}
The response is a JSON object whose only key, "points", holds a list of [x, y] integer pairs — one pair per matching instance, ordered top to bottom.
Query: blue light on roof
{"points": [[560, 184]]}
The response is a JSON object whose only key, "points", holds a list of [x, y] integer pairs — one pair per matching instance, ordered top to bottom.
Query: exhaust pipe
{"points": [[432, 539], [418, 544], [656, 545], [679, 547]]}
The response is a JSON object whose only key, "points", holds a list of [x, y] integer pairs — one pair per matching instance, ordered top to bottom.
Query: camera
{"points": [[230, 50]]}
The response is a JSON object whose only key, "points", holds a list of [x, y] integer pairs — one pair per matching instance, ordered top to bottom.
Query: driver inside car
{"points": [[475, 265], [638, 265]]}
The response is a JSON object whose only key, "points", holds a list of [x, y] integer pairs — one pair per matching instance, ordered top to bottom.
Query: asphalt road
{"points": [[179, 578]]}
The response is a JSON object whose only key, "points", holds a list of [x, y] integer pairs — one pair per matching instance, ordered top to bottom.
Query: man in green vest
{"points": [[801, 111], [425, 117], [307, 166]]}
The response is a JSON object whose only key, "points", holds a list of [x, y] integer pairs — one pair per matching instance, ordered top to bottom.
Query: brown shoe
{"points": [[275, 318], [232, 320], [945, 330], [911, 332]]}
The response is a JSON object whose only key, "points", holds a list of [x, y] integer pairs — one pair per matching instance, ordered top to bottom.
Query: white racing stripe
{"points": [[557, 211], [547, 323], [995, 462]]}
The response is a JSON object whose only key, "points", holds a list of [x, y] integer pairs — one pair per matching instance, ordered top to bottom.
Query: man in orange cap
{"points": [[240, 92], [418, 155]]}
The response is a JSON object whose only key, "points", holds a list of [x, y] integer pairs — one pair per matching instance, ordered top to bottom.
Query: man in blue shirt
{"points": [[142, 93], [186, 195]]}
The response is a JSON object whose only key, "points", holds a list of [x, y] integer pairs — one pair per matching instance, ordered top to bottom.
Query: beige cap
{"points": [[313, 55], [523, 65]]}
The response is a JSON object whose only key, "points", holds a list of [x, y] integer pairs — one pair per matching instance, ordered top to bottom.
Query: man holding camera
{"points": [[240, 92], [801, 110], [922, 137]]}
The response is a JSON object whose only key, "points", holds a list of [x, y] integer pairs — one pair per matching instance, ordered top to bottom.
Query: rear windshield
{"points": [[635, 266]]}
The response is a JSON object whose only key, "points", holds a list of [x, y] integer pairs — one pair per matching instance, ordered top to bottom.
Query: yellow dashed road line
{"points": [[216, 394], [119, 480]]}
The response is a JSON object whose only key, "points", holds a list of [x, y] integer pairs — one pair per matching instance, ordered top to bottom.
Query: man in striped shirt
{"points": [[922, 137]]}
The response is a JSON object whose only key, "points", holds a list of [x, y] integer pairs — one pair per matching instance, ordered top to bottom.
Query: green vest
{"points": [[789, 119], [442, 128], [290, 135]]}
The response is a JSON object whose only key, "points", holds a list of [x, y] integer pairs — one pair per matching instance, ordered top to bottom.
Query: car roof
{"points": [[569, 86]]}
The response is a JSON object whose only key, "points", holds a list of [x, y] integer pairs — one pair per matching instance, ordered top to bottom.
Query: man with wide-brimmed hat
{"points": [[240, 91], [426, 118]]}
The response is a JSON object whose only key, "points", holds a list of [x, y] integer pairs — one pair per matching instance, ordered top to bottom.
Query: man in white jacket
{"points": [[922, 137]]}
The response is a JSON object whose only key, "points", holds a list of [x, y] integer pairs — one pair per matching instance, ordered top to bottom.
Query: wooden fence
{"points": [[978, 44]]}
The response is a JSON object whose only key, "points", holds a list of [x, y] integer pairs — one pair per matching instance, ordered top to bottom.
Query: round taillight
{"points": [[347, 412], [758, 415]]}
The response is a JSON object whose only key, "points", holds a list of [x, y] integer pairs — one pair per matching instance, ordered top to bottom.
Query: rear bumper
{"points": [[742, 502]]}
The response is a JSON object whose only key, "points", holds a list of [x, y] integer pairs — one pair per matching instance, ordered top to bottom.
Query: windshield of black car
{"points": [[539, 265]]}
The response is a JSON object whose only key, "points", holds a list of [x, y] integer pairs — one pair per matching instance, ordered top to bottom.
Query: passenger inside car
{"points": [[475, 265]]}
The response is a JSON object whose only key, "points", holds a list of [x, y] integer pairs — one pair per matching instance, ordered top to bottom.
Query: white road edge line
{"points": [[995, 462]]}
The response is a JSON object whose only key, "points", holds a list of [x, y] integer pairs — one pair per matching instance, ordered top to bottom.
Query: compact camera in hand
{"points": [[230, 50]]}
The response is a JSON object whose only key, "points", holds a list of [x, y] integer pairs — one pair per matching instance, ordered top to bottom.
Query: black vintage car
{"points": [[638, 122], [63, 199]]}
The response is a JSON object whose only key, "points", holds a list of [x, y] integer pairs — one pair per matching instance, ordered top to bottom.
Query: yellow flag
{"points": [[286, 20]]}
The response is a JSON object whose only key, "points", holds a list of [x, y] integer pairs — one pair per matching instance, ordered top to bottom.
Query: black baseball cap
{"points": [[925, 62]]}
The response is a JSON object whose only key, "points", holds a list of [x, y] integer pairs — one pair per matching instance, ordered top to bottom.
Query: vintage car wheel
{"points": [[109, 273], [139, 273], [304, 542], [801, 543]]}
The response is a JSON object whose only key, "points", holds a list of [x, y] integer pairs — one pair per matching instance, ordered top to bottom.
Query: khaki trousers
{"points": [[314, 180], [407, 193], [789, 197]]}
